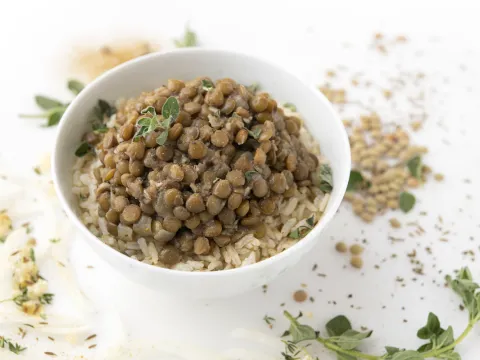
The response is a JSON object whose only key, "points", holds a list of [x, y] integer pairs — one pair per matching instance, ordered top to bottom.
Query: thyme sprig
{"points": [[344, 341]]}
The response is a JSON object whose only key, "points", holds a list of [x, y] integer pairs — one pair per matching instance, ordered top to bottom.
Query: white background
{"points": [[39, 37]]}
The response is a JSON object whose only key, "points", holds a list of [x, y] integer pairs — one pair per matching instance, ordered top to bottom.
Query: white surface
{"points": [[307, 37], [147, 73]]}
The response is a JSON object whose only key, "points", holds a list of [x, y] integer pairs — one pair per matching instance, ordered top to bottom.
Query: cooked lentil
{"points": [[230, 164]]}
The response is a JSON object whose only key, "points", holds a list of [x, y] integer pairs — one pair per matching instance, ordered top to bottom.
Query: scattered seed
{"points": [[394, 223], [341, 247], [356, 249], [356, 262], [300, 296], [91, 337], [49, 353]]}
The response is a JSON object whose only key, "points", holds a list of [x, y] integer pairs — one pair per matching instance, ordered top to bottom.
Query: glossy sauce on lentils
{"points": [[229, 159]]}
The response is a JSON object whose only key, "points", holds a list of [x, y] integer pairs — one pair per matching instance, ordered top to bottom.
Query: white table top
{"points": [[308, 38]]}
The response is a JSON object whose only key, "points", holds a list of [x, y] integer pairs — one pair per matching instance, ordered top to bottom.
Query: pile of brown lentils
{"points": [[230, 158]]}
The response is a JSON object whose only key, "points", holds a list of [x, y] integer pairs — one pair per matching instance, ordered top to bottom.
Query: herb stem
{"points": [[34, 116], [338, 349], [436, 352]]}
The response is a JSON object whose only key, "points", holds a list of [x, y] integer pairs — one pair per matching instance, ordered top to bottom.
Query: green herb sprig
{"points": [[189, 39], [54, 108], [150, 121], [344, 341], [13, 347]]}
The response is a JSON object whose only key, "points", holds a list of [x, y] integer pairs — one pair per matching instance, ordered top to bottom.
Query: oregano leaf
{"points": [[338, 325]]}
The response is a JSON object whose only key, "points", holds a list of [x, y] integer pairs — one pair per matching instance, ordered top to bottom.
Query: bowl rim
{"points": [[131, 64]]}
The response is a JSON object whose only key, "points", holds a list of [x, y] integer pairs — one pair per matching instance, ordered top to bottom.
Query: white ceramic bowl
{"points": [[151, 71]]}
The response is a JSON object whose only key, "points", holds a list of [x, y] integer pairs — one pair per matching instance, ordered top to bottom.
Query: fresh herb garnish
{"points": [[189, 39], [207, 85], [75, 86], [254, 87], [47, 103], [290, 106], [54, 109], [101, 111], [150, 122], [255, 133], [83, 149], [415, 166], [37, 170], [250, 174], [324, 178], [357, 181], [406, 201], [303, 230], [55, 240], [32, 254], [46, 298], [344, 341], [13, 347]]}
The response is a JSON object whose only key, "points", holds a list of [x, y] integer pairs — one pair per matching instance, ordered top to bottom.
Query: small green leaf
{"points": [[189, 39], [207, 85], [75, 86], [254, 87], [47, 103], [290, 106], [105, 108], [170, 109], [149, 110], [55, 116], [144, 121], [99, 128], [140, 132], [255, 133], [162, 138], [82, 150], [415, 166], [250, 174], [325, 178], [355, 181], [406, 201], [311, 221], [299, 232], [55, 240], [32, 254], [338, 325], [432, 328], [300, 332], [446, 338], [350, 339], [425, 347], [391, 350], [407, 355]]}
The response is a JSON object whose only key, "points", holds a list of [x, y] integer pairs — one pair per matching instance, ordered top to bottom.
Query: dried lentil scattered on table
{"points": [[300, 296]]}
